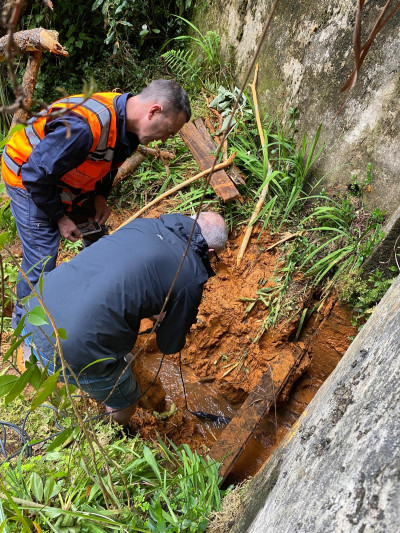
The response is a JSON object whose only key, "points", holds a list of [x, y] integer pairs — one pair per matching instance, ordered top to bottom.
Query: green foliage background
{"points": [[115, 42]]}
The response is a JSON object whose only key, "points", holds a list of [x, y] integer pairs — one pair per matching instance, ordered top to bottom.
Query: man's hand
{"points": [[102, 209], [68, 229], [159, 317]]}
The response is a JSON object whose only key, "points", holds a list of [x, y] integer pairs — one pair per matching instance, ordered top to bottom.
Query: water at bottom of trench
{"points": [[200, 396]]}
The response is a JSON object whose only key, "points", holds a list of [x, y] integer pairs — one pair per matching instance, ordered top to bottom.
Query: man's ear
{"points": [[154, 109]]}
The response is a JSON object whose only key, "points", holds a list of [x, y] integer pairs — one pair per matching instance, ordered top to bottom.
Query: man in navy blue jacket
{"points": [[101, 295]]}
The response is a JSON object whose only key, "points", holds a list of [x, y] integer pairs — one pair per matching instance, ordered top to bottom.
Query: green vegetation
{"points": [[201, 63], [330, 234], [89, 479], [168, 489]]}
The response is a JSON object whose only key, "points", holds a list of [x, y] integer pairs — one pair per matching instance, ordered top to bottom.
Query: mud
{"points": [[222, 357]]}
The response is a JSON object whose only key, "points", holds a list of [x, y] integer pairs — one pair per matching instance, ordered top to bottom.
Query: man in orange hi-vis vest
{"points": [[59, 169]]}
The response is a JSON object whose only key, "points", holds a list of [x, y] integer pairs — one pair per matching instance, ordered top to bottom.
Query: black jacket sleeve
{"points": [[180, 316]]}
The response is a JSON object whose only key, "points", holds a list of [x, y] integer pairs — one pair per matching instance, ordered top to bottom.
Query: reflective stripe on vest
{"points": [[100, 115], [102, 151], [10, 163]]}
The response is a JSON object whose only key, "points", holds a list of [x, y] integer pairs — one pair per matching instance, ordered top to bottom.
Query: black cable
{"points": [[200, 414], [24, 436]]}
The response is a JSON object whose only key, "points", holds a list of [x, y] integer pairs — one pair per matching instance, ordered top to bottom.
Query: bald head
{"points": [[213, 229]]}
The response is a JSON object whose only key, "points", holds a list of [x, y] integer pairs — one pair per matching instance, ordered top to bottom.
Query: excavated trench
{"points": [[223, 365]]}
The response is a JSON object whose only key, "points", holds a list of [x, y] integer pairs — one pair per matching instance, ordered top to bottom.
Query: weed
{"points": [[201, 65], [332, 240], [71, 247], [364, 294], [171, 489]]}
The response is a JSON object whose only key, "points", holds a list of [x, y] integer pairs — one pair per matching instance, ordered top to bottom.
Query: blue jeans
{"points": [[40, 238], [125, 394]]}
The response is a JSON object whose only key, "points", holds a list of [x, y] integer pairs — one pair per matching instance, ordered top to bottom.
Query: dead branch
{"points": [[36, 40], [360, 51], [28, 86], [161, 154], [130, 165], [178, 188], [264, 191], [285, 239]]}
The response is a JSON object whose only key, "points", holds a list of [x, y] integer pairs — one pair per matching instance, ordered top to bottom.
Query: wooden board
{"points": [[198, 142], [233, 172], [240, 429]]}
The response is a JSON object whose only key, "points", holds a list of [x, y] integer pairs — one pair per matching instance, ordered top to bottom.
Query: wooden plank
{"points": [[203, 154], [233, 171], [240, 429]]}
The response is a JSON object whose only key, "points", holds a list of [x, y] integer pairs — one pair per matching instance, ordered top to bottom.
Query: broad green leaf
{"points": [[97, 4], [13, 130], [3, 239], [37, 316], [18, 329], [61, 333], [14, 346], [36, 377], [6, 384], [19, 385], [45, 390], [60, 439], [152, 462], [36, 486], [51, 489]]}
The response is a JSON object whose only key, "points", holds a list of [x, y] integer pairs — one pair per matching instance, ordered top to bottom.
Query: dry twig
{"points": [[360, 51], [264, 191]]}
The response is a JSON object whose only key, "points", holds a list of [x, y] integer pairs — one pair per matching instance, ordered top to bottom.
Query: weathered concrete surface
{"points": [[305, 59], [384, 255], [338, 470]]}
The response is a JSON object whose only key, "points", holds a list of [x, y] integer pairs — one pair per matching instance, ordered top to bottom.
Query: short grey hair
{"points": [[171, 94], [213, 228]]}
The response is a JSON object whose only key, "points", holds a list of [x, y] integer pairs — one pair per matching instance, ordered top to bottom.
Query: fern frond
{"points": [[183, 63]]}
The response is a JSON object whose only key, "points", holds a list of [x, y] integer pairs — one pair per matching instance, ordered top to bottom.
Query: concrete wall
{"points": [[306, 58]]}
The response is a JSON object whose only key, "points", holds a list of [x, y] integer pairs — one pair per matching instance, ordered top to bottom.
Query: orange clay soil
{"points": [[221, 353]]}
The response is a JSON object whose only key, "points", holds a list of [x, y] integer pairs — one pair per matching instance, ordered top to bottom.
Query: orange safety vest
{"points": [[99, 112]]}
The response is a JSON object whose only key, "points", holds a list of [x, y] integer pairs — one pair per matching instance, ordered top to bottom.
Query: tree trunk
{"points": [[28, 86]]}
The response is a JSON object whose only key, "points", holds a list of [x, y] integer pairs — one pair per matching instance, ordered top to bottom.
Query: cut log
{"points": [[36, 40], [200, 147], [130, 165], [240, 429]]}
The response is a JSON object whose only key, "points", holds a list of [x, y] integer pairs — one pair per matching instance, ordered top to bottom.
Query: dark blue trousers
{"points": [[40, 238]]}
